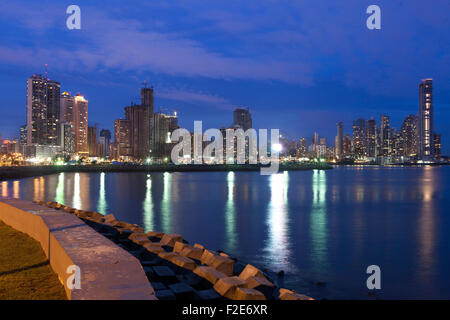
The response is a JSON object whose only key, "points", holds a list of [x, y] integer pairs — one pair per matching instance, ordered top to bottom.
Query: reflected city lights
{"points": [[5, 189], [16, 189], [60, 189], [76, 202], [166, 203], [102, 205], [147, 207], [230, 213], [318, 219], [278, 244]]}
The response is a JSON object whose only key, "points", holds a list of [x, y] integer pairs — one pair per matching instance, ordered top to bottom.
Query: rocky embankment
{"points": [[179, 270]]}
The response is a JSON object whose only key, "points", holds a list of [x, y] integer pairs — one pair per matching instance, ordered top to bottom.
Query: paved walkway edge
{"points": [[107, 272]]}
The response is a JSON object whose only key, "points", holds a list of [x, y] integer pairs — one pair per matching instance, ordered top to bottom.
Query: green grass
{"points": [[25, 273]]}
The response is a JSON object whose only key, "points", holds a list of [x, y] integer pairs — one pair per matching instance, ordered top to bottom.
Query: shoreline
{"points": [[18, 172]]}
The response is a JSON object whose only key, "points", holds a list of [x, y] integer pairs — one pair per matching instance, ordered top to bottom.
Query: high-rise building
{"points": [[43, 109], [74, 111], [242, 118], [425, 120], [80, 125], [163, 126], [23, 135], [385, 136], [409, 136], [122, 138], [359, 138], [371, 138], [67, 139], [92, 141], [105, 141], [339, 142], [347, 146], [437, 146], [302, 148]]}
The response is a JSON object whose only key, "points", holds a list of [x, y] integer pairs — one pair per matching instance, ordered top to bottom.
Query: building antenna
{"points": [[46, 71], [145, 83]]}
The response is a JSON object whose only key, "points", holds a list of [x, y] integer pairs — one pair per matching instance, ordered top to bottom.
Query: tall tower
{"points": [[148, 105], [43, 110], [242, 118], [425, 120], [81, 125], [385, 136], [371, 137], [339, 140]]}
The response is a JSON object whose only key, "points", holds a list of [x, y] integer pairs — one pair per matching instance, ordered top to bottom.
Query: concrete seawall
{"points": [[107, 271]]}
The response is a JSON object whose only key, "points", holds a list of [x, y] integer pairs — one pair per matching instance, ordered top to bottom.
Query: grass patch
{"points": [[25, 273]]}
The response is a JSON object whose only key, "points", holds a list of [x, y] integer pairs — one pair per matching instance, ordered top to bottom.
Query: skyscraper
{"points": [[43, 110], [242, 118], [425, 120], [81, 125], [163, 125], [409, 135], [385, 136], [371, 137], [122, 138], [359, 138], [92, 141], [105, 141], [339, 142]]}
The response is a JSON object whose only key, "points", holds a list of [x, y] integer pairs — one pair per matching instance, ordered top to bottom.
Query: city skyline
{"points": [[206, 66]]}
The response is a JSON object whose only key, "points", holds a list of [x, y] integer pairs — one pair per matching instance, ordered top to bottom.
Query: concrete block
{"points": [[109, 218], [155, 234], [139, 238], [170, 239], [196, 245], [179, 246], [153, 247], [192, 252], [167, 255], [207, 257], [183, 262], [222, 264], [163, 271], [250, 271], [209, 273], [261, 284], [158, 286], [227, 286], [182, 291], [209, 294], [248, 294], [286, 294]]}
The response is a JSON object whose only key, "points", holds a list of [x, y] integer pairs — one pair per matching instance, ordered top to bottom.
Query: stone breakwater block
{"points": [[109, 218], [155, 234], [139, 238], [171, 239], [196, 245], [179, 246], [153, 247], [192, 252], [223, 254], [167, 255], [207, 257], [183, 262], [222, 264], [250, 271], [209, 273], [261, 284], [227, 286], [182, 290], [208, 294], [248, 294], [286, 294], [165, 295]]}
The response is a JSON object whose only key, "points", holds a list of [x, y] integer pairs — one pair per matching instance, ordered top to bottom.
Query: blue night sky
{"points": [[301, 66]]}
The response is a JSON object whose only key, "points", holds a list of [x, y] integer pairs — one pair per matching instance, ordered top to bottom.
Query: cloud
{"points": [[193, 97]]}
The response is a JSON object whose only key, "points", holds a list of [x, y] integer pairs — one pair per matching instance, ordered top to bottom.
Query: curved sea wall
{"points": [[106, 270], [179, 270]]}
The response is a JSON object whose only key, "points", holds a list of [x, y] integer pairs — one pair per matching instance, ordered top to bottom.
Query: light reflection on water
{"points": [[315, 225]]}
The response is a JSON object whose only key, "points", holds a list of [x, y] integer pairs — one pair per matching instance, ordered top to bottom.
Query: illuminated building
{"points": [[43, 111], [242, 118], [425, 120], [81, 125], [163, 126], [409, 135], [385, 136], [122, 138], [359, 138], [371, 138], [105, 141], [92, 142], [339, 142], [437, 145]]}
